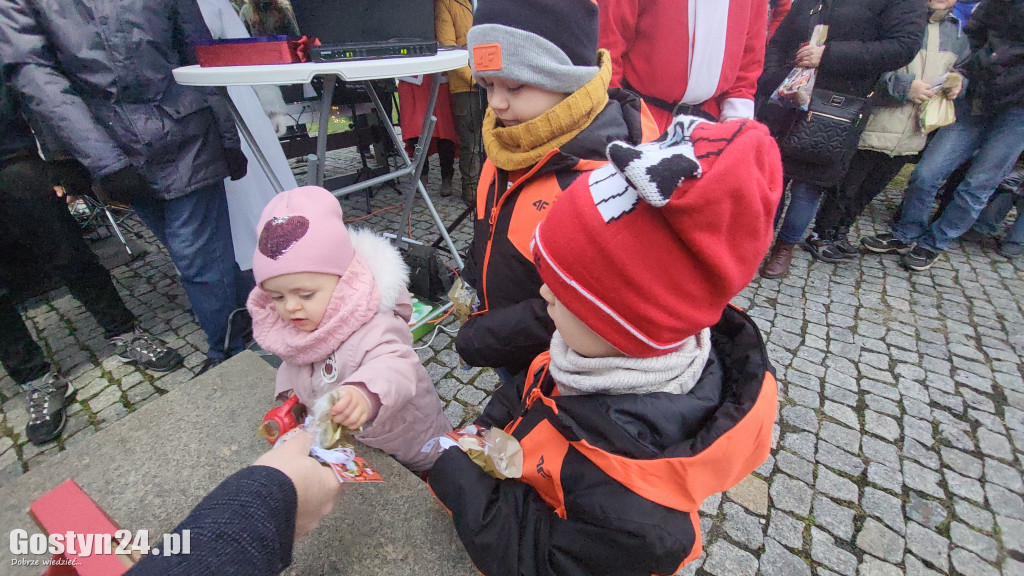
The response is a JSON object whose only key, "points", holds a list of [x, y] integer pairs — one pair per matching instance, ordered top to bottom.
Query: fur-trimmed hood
{"points": [[390, 272], [376, 282]]}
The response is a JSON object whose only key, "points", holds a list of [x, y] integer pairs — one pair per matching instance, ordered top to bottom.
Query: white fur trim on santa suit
{"points": [[708, 23], [735, 108]]}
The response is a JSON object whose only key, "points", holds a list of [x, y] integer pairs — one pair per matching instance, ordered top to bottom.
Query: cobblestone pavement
{"points": [[900, 441]]}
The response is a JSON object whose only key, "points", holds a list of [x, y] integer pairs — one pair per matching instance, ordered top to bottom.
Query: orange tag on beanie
{"points": [[487, 57]]}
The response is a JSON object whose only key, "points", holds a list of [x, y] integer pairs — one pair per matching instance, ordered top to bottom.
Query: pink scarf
{"points": [[353, 303]]}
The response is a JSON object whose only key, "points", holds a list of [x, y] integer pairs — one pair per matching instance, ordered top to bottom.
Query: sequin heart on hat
{"points": [[280, 234]]}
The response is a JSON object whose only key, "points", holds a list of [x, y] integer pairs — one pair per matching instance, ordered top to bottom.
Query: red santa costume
{"points": [[703, 53]]}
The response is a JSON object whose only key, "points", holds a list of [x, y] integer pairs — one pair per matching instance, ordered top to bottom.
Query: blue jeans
{"points": [[995, 140], [803, 205], [991, 218], [196, 231]]}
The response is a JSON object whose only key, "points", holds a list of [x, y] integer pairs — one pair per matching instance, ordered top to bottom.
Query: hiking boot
{"points": [[446, 187], [469, 195], [886, 244], [823, 249], [1010, 249], [920, 259], [779, 260], [141, 349], [47, 400]]}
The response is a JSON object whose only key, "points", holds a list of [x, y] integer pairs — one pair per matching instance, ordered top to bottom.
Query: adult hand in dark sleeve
{"points": [[237, 163], [71, 176], [127, 185], [248, 524]]}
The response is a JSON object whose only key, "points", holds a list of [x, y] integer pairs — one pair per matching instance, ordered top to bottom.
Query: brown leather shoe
{"points": [[779, 260]]}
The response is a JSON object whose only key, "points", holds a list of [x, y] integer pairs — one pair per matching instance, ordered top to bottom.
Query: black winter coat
{"points": [[866, 38], [996, 68], [15, 137], [512, 326], [611, 484]]}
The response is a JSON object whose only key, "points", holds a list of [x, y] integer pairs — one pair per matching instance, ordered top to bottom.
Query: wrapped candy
{"points": [[795, 91], [496, 452]]}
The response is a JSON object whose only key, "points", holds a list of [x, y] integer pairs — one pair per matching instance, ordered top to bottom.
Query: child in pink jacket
{"points": [[334, 305]]}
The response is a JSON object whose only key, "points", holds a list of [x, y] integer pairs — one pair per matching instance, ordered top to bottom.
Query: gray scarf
{"points": [[676, 372]]}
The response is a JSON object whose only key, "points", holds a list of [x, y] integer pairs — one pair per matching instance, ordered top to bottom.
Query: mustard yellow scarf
{"points": [[522, 146]]}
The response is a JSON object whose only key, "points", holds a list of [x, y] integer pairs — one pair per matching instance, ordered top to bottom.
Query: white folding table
{"points": [[350, 71]]}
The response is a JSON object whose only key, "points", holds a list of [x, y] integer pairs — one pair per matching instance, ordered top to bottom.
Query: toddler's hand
{"points": [[352, 410]]}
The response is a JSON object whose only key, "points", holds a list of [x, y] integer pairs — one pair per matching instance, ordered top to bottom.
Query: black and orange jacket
{"points": [[512, 326], [612, 484]]}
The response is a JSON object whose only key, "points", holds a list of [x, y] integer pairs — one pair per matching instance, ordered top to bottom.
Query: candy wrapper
{"points": [[795, 91], [464, 300], [333, 444], [496, 452]]}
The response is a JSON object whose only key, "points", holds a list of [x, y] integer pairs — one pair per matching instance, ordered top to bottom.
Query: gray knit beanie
{"points": [[551, 44]]}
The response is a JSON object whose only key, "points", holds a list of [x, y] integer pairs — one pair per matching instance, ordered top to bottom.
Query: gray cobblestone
{"points": [[881, 425], [802, 443], [994, 445], [914, 449], [840, 460], [963, 463], [795, 466], [1003, 475], [886, 477], [920, 478], [835, 485], [963, 486], [791, 495], [1004, 501], [885, 507], [928, 513], [832, 517], [979, 518], [743, 528], [786, 529], [1012, 533], [874, 538], [980, 544], [929, 546], [825, 551], [724, 559], [777, 561], [969, 564]]}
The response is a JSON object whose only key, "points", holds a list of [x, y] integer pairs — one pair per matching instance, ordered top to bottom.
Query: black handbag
{"points": [[824, 138]]}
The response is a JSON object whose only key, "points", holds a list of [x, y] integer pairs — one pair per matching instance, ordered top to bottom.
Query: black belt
{"points": [[675, 109]]}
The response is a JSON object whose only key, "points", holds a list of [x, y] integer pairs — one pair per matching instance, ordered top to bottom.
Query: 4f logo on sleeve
{"points": [[541, 205], [540, 468]]}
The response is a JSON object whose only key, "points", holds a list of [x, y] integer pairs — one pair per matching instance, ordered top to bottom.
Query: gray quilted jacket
{"points": [[97, 75]]}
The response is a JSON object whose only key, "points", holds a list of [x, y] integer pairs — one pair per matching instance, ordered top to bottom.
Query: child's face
{"points": [[941, 4], [515, 103], [301, 298], [576, 334]]}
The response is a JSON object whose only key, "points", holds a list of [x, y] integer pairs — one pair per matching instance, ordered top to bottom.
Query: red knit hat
{"points": [[648, 250]]}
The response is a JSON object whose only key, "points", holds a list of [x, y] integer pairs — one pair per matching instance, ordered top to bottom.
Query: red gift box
{"points": [[247, 52]]}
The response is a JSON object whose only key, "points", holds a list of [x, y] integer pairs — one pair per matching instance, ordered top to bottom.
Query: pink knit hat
{"points": [[302, 230]]}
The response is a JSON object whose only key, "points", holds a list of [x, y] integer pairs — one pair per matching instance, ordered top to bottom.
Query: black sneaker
{"points": [[886, 244], [842, 245], [822, 249], [920, 259], [137, 347], [46, 400]]}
